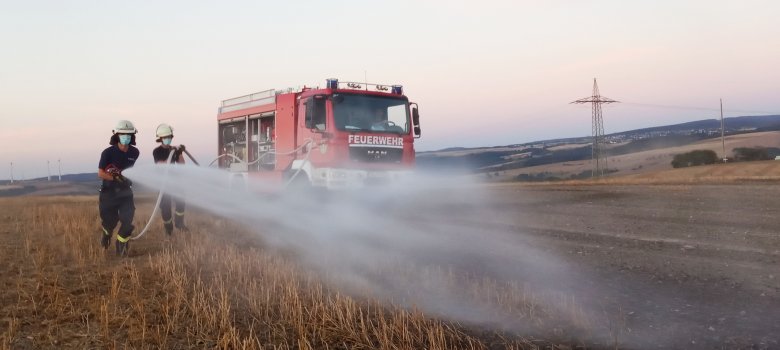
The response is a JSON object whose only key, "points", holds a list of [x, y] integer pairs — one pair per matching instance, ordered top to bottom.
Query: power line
{"points": [[653, 105]]}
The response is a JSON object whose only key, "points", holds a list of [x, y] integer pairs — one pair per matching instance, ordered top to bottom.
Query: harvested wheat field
{"points": [[640, 163], [720, 173], [633, 267], [214, 287]]}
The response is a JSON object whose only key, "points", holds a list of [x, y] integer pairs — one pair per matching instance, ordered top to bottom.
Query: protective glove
{"points": [[177, 153], [118, 178], [122, 181]]}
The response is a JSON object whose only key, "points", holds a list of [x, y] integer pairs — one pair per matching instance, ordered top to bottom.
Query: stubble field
{"points": [[662, 266], [214, 287]]}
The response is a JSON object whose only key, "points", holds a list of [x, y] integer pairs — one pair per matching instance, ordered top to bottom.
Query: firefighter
{"points": [[379, 120], [161, 154], [116, 194]]}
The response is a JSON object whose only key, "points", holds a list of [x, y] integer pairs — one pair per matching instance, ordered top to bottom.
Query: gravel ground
{"points": [[683, 266]]}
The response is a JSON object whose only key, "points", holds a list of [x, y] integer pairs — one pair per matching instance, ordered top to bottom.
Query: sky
{"points": [[484, 73]]}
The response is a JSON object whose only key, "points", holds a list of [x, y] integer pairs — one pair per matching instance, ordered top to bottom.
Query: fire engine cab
{"points": [[345, 135]]}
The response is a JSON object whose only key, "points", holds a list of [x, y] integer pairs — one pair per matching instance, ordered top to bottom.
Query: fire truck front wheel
{"points": [[299, 182]]}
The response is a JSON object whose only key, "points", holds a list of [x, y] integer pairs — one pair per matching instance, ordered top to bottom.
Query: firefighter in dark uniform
{"points": [[162, 154], [116, 194]]}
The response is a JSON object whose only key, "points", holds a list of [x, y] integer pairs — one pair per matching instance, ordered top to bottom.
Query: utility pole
{"points": [[722, 132], [598, 153], [59, 170], [48, 171], [12, 172]]}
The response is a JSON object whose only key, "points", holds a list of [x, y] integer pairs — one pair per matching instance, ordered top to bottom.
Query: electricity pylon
{"points": [[598, 153]]}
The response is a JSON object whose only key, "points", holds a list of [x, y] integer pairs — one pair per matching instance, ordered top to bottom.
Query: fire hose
{"points": [[292, 177], [162, 189]]}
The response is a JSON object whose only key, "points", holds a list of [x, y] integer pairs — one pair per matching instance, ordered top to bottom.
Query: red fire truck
{"points": [[345, 135]]}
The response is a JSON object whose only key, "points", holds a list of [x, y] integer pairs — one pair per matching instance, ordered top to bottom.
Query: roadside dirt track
{"points": [[686, 266]]}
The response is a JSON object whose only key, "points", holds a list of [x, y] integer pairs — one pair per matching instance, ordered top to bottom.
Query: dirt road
{"points": [[685, 266]]}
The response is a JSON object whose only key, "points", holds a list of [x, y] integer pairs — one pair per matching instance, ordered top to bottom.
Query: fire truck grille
{"points": [[375, 154]]}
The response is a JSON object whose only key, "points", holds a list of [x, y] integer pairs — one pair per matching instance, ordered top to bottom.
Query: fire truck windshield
{"points": [[374, 114]]}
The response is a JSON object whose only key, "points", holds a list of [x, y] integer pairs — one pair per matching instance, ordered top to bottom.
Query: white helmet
{"points": [[125, 127], [164, 130]]}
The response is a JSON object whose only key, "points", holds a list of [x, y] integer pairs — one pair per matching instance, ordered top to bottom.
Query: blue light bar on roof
{"points": [[332, 83], [398, 90]]}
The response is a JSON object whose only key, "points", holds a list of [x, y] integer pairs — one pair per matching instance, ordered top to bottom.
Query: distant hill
{"points": [[760, 123], [536, 153], [651, 161], [82, 177], [71, 184], [48, 188]]}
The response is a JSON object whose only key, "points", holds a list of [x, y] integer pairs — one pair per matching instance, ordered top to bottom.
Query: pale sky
{"points": [[484, 73]]}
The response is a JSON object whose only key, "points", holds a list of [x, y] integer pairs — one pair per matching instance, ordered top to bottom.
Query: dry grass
{"points": [[651, 161], [716, 174], [218, 288]]}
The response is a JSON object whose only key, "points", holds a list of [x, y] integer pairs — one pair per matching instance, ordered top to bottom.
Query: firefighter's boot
{"points": [[179, 222], [168, 227], [105, 239], [122, 248]]}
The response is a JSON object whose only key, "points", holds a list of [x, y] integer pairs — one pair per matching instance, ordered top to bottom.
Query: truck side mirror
{"points": [[416, 120]]}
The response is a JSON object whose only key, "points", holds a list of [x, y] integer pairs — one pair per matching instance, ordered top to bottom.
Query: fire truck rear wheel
{"points": [[300, 182], [238, 183], [301, 185]]}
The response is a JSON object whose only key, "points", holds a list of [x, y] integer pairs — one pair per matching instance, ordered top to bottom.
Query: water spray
{"points": [[184, 150], [390, 242]]}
